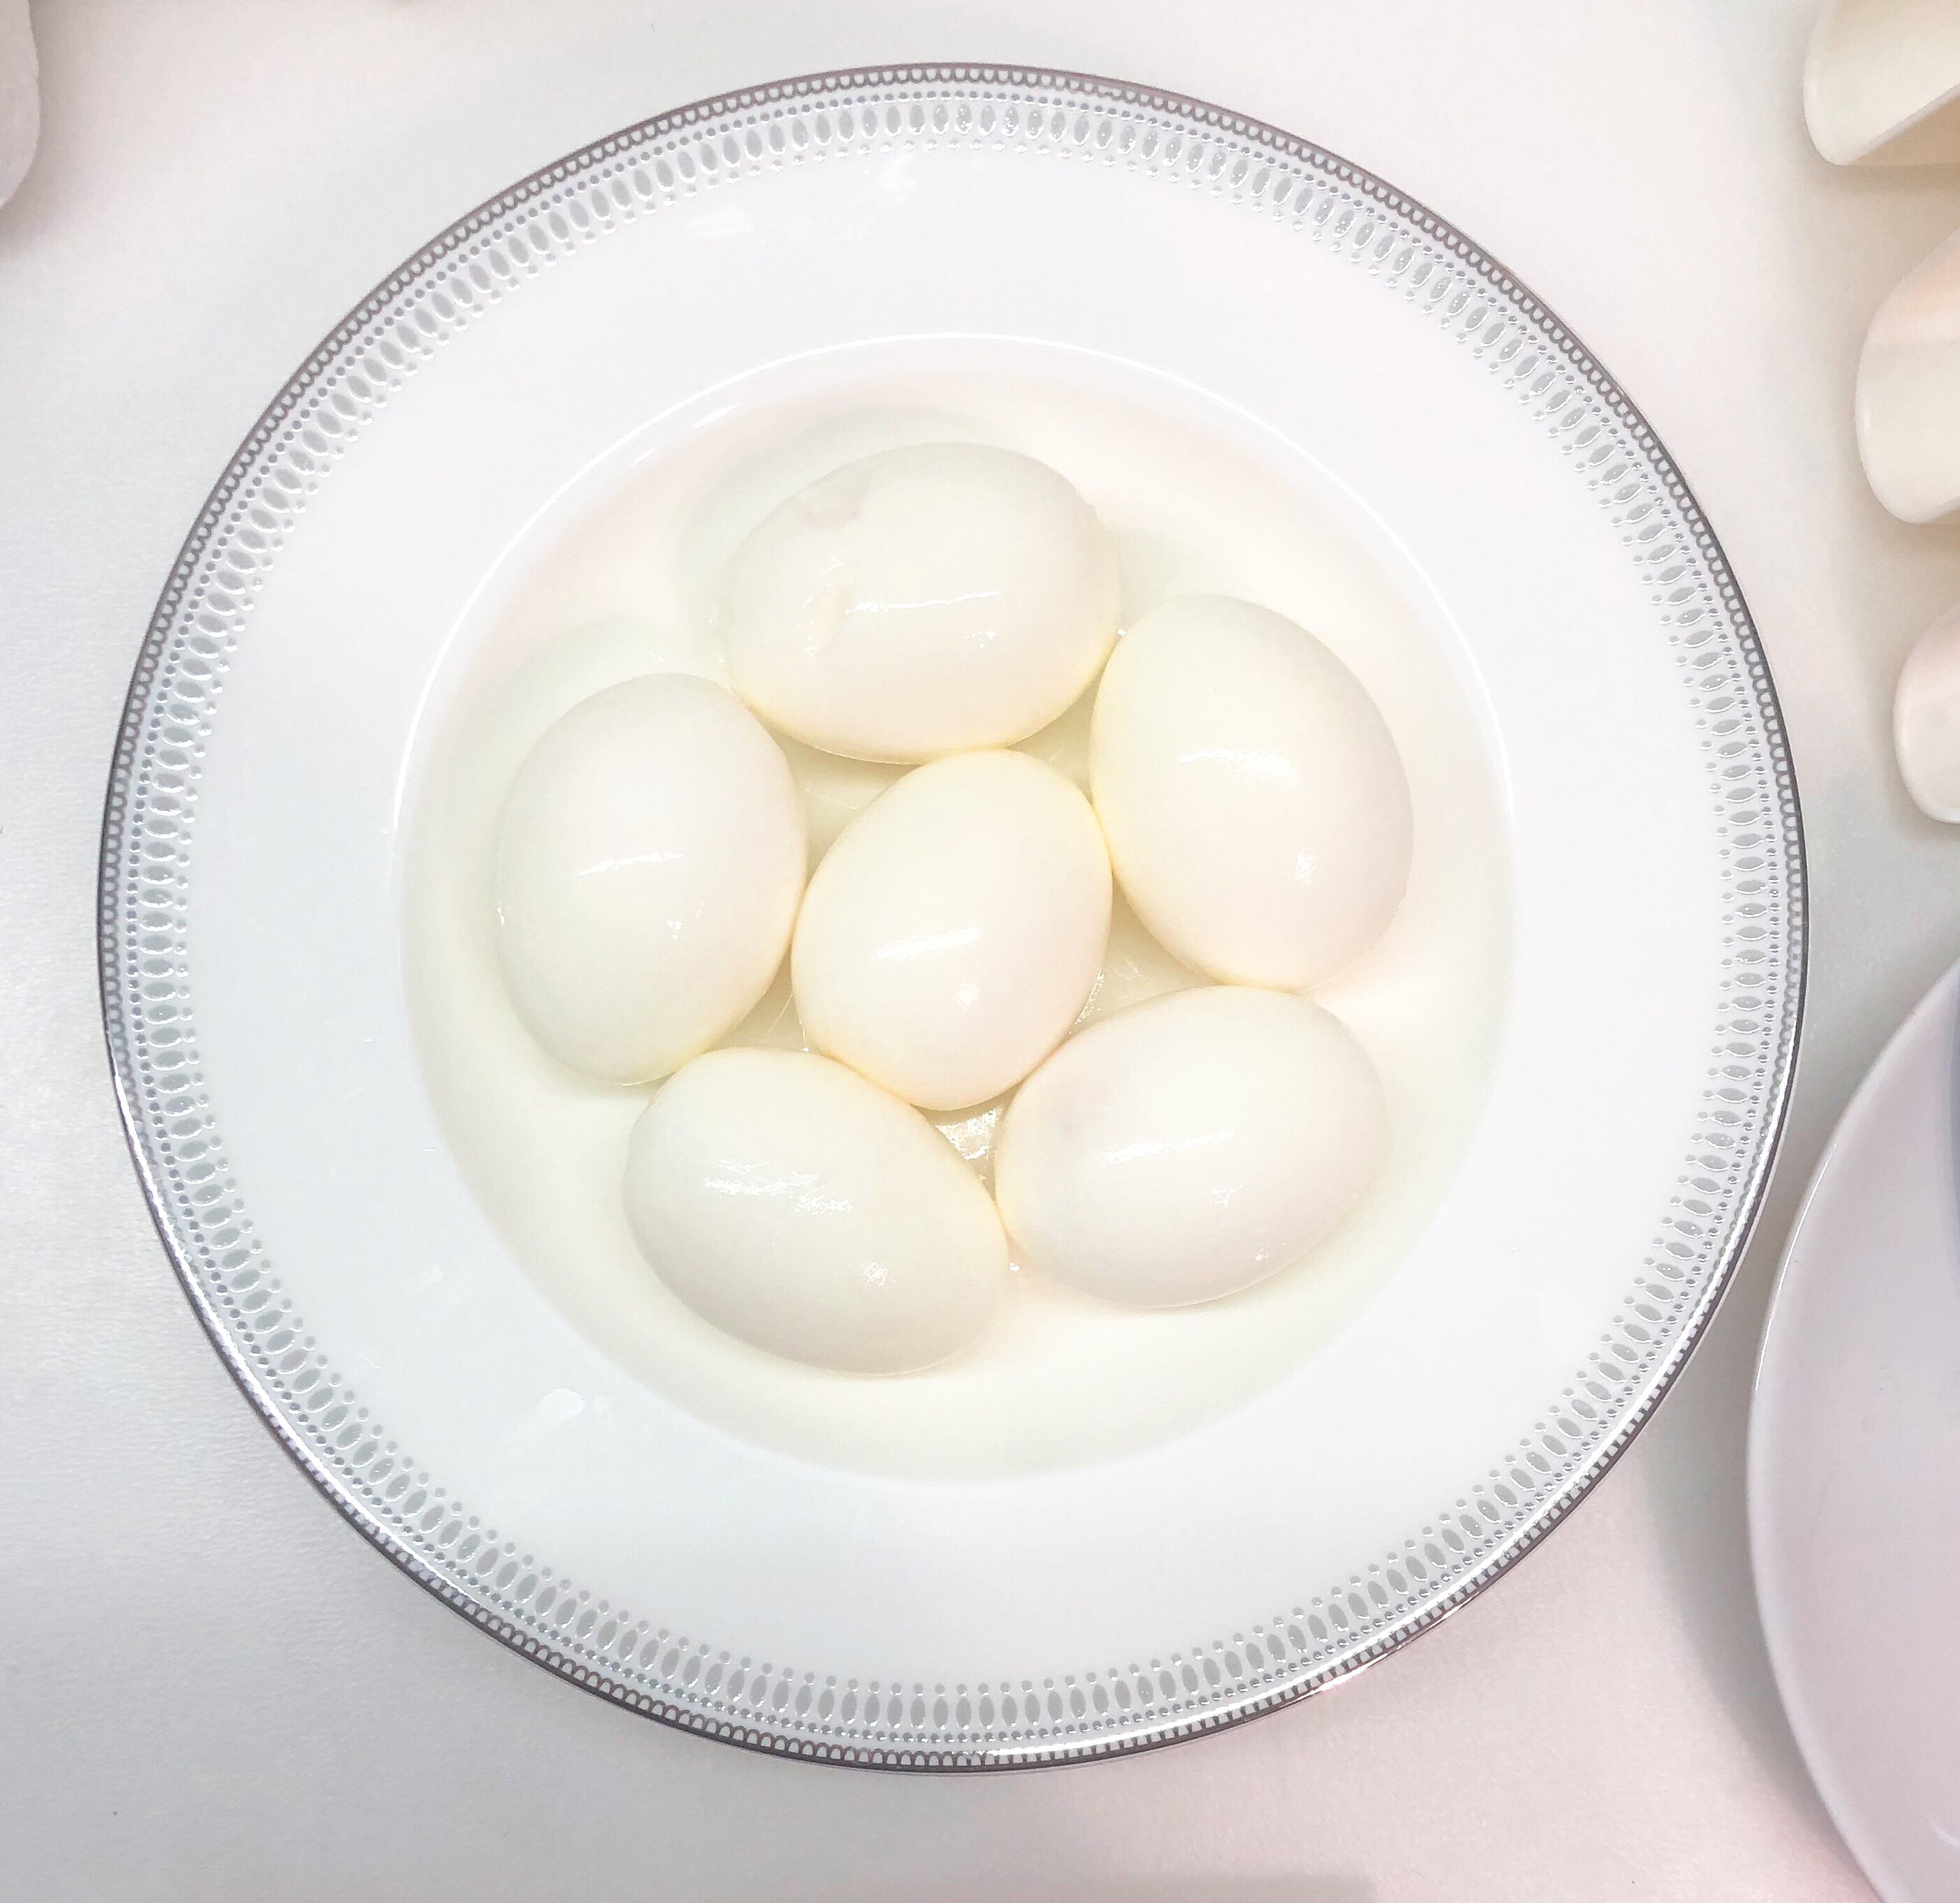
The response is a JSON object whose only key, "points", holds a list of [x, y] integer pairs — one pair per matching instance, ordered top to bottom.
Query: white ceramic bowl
{"points": [[795, 238]]}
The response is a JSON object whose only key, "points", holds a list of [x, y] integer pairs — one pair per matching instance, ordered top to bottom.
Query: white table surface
{"points": [[209, 1688]]}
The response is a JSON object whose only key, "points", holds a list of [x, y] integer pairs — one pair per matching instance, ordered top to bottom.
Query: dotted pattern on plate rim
{"points": [[685, 1679]]}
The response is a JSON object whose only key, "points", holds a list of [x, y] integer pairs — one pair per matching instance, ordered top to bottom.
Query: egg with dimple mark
{"points": [[922, 601], [1256, 809], [649, 860], [952, 934], [1189, 1147], [808, 1212]]}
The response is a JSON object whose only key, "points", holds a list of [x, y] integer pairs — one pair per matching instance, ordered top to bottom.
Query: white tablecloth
{"points": [[210, 1688]]}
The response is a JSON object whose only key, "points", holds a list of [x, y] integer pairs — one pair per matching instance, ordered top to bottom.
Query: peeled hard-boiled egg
{"points": [[924, 601], [1926, 720], [1256, 809], [649, 863], [953, 932], [1188, 1147], [810, 1213]]}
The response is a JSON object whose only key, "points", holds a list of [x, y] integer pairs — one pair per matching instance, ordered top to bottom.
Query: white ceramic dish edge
{"points": [[1853, 1508]]}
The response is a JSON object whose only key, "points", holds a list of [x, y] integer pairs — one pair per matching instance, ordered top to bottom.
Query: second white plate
{"points": [[1854, 1465]]}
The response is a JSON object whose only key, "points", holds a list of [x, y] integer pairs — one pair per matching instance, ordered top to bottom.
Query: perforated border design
{"points": [[1198, 1683]]}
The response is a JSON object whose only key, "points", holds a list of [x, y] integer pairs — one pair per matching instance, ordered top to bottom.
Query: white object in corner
{"points": [[1882, 82], [19, 96], [1908, 397], [1926, 720], [1854, 1467]]}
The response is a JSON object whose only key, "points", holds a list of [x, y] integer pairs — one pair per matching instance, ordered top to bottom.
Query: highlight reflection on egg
{"points": [[922, 601], [1256, 809], [649, 860], [953, 932], [1190, 1147], [805, 1211]]}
